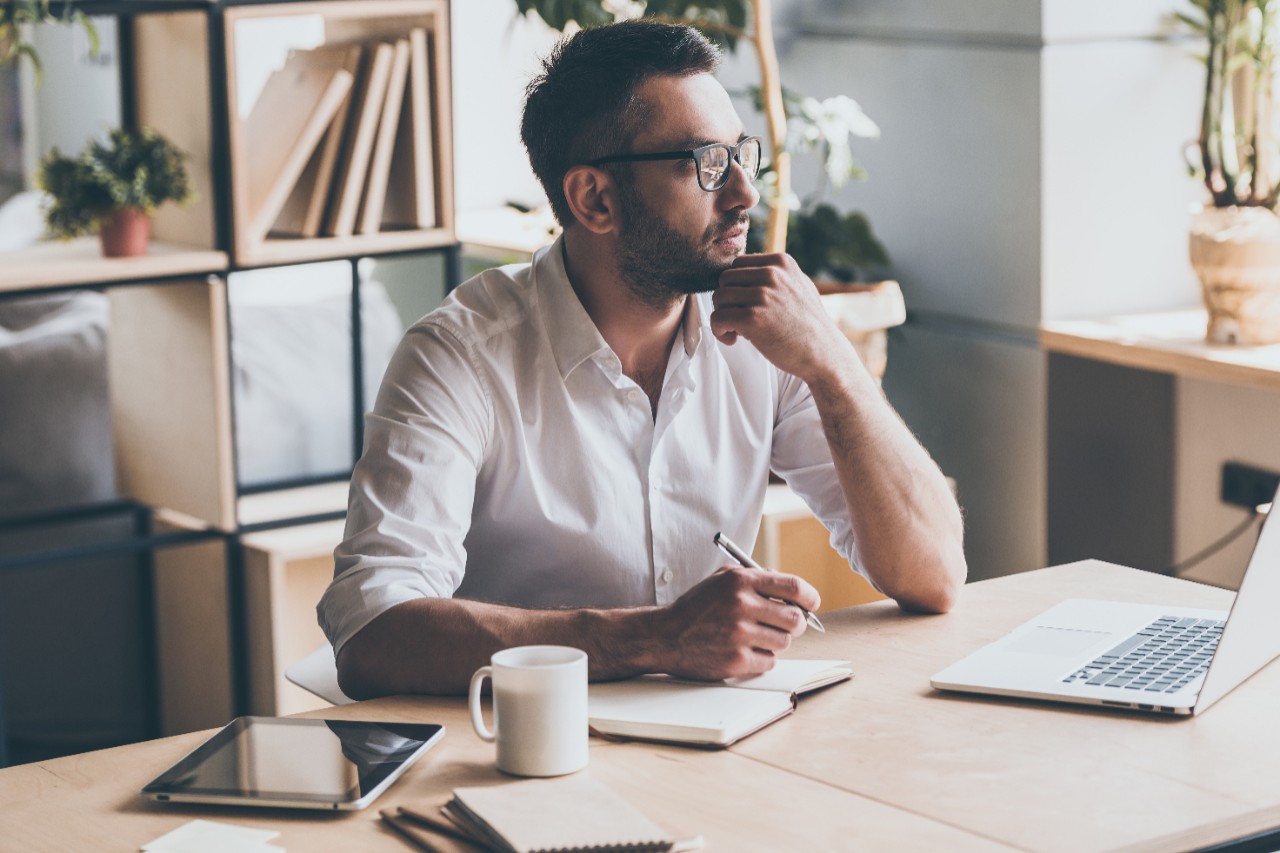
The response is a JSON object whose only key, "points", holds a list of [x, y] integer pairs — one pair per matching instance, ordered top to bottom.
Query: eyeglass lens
{"points": [[713, 165]]}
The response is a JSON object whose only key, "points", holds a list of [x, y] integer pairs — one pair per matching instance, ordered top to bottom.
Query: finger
{"points": [[763, 259], [748, 277], [731, 297], [726, 321], [791, 588], [768, 622], [753, 662]]}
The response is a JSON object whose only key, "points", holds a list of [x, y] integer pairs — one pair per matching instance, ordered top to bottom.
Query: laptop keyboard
{"points": [[1163, 657]]}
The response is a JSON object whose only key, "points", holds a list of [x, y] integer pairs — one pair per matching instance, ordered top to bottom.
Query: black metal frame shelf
{"points": [[146, 541]]}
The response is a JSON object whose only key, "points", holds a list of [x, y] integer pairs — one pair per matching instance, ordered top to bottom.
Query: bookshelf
{"points": [[395, 108], [227, 608]]}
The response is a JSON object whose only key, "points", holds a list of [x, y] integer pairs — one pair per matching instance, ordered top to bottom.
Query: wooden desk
{"points": [[883, 762]]}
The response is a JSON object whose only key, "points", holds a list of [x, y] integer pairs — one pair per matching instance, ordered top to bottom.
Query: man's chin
{"points": [[702, 279]]}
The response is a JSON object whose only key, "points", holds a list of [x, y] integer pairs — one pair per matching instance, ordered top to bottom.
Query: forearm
{"points": [[906, 522], [433, 645]]}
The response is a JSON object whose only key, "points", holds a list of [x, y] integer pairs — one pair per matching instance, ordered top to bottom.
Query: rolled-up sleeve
{"points": [[413, 489]]}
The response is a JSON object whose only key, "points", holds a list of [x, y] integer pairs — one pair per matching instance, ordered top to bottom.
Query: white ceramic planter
{"points": [[1235, 251], [864, 312]]}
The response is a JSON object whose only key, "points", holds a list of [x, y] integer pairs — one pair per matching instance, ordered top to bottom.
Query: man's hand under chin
{"points": [[769, 301]]}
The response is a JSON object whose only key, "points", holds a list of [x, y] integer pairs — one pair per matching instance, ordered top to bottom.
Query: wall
{"points": [[495, 52], [78, 95], [1030, 168], [1217, 424]]}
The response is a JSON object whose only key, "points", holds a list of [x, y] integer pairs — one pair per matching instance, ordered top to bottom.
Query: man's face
{"points": [[675, 238]]}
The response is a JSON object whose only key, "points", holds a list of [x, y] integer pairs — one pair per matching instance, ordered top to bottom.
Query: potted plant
{"points": [[113, 187], [1235, 241], [835, 249]]}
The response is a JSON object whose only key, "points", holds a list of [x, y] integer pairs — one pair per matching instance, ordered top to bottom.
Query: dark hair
{"points": [[583, 105]]}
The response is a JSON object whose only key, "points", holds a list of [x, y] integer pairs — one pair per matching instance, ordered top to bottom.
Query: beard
{"points": [[659, 264]]}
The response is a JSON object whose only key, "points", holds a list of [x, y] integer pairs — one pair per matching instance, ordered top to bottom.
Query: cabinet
{"points": [[1144, 415], [239, 591]]}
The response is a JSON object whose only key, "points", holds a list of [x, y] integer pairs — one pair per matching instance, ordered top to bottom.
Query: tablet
{"points": [[295, 763]]}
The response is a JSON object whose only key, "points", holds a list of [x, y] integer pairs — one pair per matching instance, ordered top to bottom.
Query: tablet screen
{"points": [[307, 763]]}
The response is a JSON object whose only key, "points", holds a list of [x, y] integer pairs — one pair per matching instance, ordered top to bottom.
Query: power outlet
{"points": [[1246, 486]]}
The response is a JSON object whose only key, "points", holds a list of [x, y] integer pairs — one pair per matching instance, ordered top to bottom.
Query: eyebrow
{"points": [[691, 143]]}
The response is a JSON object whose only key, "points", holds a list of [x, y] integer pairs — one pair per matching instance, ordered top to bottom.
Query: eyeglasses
{"points": [[713, 160]]}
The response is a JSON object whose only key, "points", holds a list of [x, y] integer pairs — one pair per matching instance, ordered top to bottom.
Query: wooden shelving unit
{"points": [[343, 23], [80, 262], [169, 349]]}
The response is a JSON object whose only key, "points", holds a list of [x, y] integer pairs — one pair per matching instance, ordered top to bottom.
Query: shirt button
{"points": [[635, 395], [656, 483], [667, 576]]}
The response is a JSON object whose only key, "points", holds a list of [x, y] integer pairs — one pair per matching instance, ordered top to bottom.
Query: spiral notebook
{"points": [[572, 813]]}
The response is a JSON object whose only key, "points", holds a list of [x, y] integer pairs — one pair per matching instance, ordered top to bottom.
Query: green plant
{"points": [[16, 15], [793, 123], [1237, 153], [131, 169], [824, 242], [828, 244]]}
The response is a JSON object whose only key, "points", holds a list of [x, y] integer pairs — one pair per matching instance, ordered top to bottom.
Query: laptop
{"points": [[1168, 660]]}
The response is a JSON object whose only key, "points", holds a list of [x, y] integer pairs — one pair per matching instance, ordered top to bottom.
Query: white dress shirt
{"points": [[508, 459]]}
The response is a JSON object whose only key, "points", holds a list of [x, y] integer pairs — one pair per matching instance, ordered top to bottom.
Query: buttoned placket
{"points": [[646, 436], [665, 555]]}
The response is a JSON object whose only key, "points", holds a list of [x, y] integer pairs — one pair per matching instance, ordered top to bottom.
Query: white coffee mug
{"points": [[539, 709]]}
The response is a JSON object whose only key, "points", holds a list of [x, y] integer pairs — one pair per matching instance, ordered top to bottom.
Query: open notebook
{"points": [[714, 714]]}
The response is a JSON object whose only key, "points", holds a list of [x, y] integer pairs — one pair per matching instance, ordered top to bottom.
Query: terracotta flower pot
{"points": [[125, 233], [1235, 252]]}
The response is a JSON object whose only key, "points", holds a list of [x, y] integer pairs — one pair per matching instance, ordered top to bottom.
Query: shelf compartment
{"points": [[310, 27], [172, 93], [80, 262], [169, 375], [286, 572]]}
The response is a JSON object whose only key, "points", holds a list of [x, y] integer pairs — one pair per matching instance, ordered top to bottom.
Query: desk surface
{"points": [[1171, 342], [882, 762]]}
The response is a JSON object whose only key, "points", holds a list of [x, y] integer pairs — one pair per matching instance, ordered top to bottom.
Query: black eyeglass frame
{"points": [[695, 154]]}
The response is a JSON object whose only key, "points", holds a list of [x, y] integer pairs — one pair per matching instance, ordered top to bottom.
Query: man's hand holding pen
{"points": [[724, 543], [732, 624]]}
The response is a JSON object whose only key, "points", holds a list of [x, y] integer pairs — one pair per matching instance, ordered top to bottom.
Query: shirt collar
{"points": [[696, 322], [573, 335]]}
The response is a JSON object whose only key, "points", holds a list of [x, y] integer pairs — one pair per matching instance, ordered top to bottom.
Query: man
{"points": [[554, 448]]}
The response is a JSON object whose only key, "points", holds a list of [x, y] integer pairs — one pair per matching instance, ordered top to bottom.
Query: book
{"points": [[284, 126], [357, 147], [325, 161], [375, 190], [411, 201], [709, 714], [571, 813]]}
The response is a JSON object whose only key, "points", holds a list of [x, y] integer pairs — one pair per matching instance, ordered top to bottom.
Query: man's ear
{"points": [[593, 198]]}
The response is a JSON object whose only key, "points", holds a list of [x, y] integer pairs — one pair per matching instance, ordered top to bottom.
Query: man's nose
{"points": [[738, 191]]}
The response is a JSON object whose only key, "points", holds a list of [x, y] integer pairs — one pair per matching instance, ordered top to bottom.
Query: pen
{"points": [[726, 544]]}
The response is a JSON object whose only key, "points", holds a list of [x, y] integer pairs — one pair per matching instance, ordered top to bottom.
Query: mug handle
{"points": [[473, 703]]}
